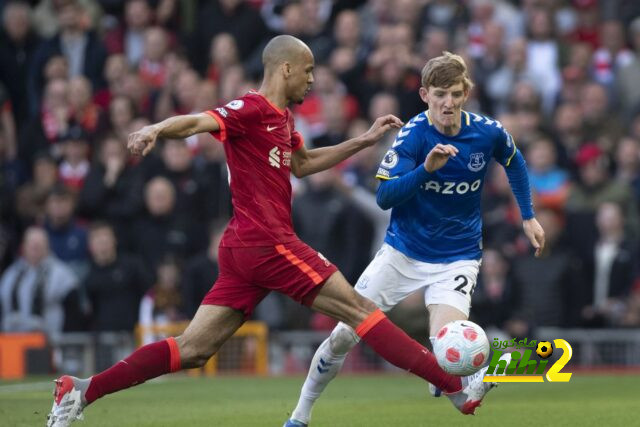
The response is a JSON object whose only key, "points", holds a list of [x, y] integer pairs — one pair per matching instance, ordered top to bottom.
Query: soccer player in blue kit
{"points": [[432, 180]]}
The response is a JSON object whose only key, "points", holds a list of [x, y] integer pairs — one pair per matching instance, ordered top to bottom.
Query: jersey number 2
{"points": [[463, 283]]}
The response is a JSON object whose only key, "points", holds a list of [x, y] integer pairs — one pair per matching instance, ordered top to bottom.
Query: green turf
{"points": [[369, 401]]}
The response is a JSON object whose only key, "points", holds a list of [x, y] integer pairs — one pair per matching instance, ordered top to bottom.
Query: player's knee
{"points": [[368, 305], [365, 306], [360, 309], [342, 339]]}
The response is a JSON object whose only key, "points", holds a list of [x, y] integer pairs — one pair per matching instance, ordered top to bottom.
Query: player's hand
{"points": [[381, 126], [142, 142], [439, 156], [535, 234]]}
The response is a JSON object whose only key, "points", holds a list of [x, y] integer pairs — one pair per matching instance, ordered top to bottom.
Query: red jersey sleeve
{"points": [[233, 118], [297, 141]]}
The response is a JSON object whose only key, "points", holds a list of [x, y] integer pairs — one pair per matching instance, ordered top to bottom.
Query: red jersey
{"points": [[259, 139]]}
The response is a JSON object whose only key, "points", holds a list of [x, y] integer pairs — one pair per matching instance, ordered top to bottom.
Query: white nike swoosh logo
{"points": [[270, 128]]}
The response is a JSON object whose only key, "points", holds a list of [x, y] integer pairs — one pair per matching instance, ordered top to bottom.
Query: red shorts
{"points": [[248, 274]]}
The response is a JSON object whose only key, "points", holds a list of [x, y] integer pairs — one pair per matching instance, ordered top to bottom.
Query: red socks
{"points": [[384, 337], [396, 347], [145, 363]]}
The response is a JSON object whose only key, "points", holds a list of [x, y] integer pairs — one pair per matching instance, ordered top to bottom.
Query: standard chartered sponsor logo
{"points": [[274, 157], [277, 157], [449, 187]]}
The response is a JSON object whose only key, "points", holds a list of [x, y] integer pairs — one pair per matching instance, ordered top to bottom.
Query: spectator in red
{"points": [[587, 29], [223, 54], [612, 55], [152, 67], [115, 70], [83, 110], [43, 131], [74, 166]]}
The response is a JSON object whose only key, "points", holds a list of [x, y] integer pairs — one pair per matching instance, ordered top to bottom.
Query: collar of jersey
{"points": [[271, 104], [464, 123]]}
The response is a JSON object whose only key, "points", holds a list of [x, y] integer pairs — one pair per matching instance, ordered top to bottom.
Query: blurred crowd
{"points": [[92, 239]]}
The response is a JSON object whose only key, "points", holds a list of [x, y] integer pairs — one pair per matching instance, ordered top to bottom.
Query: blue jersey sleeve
{"points": [[505, 147], [508, 155], [402, 157], [401, 171]]}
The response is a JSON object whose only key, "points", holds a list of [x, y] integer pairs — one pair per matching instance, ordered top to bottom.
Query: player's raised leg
{"points": [[385, 287], [338, 299], [440, 315], [360, 319], [209, 329]]}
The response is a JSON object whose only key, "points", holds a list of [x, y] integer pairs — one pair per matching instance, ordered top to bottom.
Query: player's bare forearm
{"points": [[185, 126], [143, 141], [316, 160], [307, 162]]}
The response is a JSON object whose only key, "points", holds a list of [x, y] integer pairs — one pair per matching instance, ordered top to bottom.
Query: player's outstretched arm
{"points": [[142, 142], [306, 162], [519, 180]]}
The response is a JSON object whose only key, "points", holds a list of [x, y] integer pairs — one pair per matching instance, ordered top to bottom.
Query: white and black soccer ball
{"points": [[461, 347]]}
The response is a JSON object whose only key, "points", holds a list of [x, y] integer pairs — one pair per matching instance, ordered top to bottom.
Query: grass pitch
{"points": [[350, 401]]}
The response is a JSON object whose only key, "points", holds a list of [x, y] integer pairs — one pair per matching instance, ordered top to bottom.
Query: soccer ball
{"points": [[461, 347], [544, 349]]}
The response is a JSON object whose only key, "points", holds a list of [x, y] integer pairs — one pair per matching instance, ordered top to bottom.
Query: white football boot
{"points": [[474, 390], [68, 401]]}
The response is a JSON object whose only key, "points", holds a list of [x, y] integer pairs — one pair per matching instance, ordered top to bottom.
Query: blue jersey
{"points": [[441, 221]]}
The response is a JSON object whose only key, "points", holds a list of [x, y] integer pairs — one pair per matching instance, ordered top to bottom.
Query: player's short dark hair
{"points": [[445, 71]]}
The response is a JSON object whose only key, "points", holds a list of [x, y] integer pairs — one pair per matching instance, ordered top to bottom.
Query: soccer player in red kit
{"points": [[259, 251]]}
